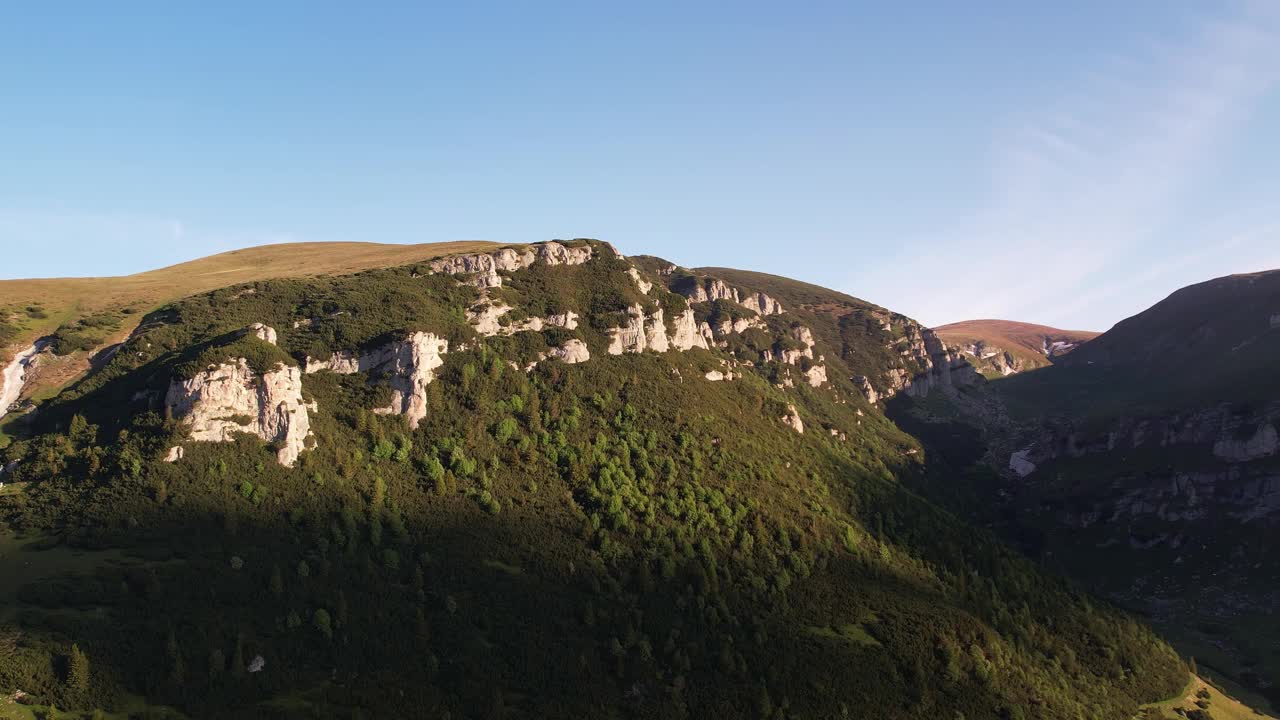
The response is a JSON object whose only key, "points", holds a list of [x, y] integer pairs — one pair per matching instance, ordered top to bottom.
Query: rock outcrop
{"points": [[482, 269], [644, 286], [709, 289], [486, 319], [649, 332], [265, 333], [689, 334], [633, 337], [573, 351], [999, 360], [407, 366], [816, 375], [14, 376], [230, 398], [792, 419], [1264, 442], [1020, 463]]}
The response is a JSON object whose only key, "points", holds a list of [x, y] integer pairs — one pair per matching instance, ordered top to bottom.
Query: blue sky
{"points": [[1065, 163]]}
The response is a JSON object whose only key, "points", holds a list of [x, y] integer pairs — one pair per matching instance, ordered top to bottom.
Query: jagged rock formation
{"points": [[482, 268], [644, 286], [699, 290], [486, 319], [263, 332], [642, 332], [649, 332], [689, 334], [923, 348], [573, 351], [407, 366], [15, 375], [816, 375], [230, 398], [792, 419], [1232, 435]]}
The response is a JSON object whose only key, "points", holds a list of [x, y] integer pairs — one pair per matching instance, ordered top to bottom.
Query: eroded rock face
{"points": [[553, 253], [482, 268], [644, 286], [709, 289], [761, 303], [486, 319], [741, 325], [264, 332], [688, 333], [629, 338], [573, 351], [407, 365], [941, 368], [816, 375], [868, 390], [230, 398], [792, 419], [1232, 437], [1264, 442], [1020, 463]]}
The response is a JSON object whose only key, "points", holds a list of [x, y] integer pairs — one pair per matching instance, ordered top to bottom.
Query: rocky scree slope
{"points": [[541, 480]]}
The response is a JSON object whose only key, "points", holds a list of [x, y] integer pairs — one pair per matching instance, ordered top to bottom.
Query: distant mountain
{"points": [[1209, 342], [1004, 347], [1146, 462], [540, 480]]}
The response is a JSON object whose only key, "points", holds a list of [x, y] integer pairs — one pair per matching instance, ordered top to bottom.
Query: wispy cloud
{"points": [[1089, 195]]}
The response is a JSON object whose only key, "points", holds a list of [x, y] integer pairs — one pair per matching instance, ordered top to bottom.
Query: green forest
{"points": [[617, 538]]}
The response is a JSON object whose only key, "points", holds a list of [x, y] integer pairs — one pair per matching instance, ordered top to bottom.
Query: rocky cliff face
{"points": [[482, 269], [708, 289], [486, 319], [648, 331], [744, 331], [999, 360], [407, 366], [941, 368], [230, 398], [1225, 431]]}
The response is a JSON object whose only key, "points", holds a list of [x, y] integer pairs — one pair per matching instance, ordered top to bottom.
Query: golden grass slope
{"points": [[66, 299]]}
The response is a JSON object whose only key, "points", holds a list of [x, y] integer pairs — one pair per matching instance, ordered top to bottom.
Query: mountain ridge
{"points": [[707, 514]]}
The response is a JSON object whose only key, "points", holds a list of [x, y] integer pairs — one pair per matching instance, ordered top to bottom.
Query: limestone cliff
{"points": [[482, 269], [707, 289], [407, 366], [230, 398]]}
